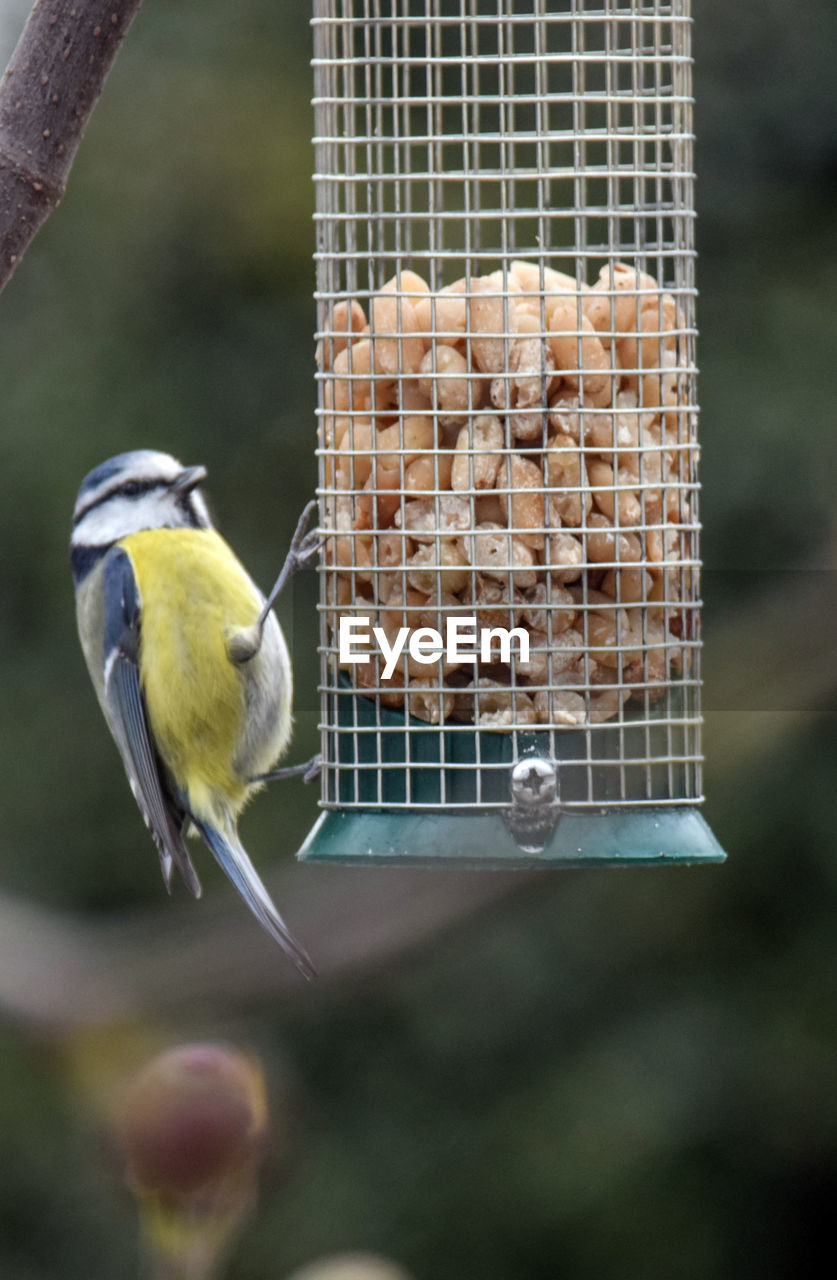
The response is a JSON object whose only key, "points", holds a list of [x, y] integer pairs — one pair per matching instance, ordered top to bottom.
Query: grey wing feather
{"points": [[129, 722], [234, 861]]}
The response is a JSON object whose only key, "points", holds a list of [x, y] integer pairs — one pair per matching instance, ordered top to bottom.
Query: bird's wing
{"points": [[129, 722], [234, 861]]}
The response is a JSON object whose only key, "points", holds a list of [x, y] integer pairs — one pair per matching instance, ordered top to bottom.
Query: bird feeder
{"points": [[507, 416]]}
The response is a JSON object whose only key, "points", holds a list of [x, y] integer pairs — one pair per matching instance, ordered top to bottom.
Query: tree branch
{"points": [[47, 95], [59, 972]]}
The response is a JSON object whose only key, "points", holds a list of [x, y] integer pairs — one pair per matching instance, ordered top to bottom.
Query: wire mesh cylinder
{"points": [[507, 410]]}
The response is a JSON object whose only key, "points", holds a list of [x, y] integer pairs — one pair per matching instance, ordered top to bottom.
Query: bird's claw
{"points": [[305, 542], [305, 551], [315, 768], [308, 771]]}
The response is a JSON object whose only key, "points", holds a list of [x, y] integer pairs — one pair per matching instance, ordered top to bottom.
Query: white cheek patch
{"points": [[120, 516], [104, 524]]}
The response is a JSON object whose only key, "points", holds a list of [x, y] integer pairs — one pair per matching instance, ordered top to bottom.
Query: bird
{"points": [[188, 662]]}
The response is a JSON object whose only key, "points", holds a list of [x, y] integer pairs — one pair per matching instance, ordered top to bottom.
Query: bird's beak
{"points": [[189, 479]]}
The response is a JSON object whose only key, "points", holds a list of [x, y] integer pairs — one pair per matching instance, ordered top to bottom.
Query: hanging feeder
{"points": [[507, 417]]}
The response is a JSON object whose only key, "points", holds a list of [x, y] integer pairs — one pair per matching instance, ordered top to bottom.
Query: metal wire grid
{"points": [[454, 138]]}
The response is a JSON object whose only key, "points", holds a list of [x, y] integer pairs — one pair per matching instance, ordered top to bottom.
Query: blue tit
{"points": [[189, 665]]}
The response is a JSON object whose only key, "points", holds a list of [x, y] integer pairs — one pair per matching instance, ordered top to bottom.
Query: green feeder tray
{"points": [[408, 794]]}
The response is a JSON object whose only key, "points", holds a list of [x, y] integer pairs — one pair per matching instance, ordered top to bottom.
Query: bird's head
{"points": [[139, 490]]}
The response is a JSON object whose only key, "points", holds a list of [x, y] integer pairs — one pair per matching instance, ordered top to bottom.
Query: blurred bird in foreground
{"points": [[189, 663]]}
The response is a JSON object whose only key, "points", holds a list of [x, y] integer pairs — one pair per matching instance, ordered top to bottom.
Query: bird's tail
{"points": [[234, 861]]}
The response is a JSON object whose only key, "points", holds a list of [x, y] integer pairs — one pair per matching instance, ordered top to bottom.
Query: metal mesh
{"points": [[507, 408]]}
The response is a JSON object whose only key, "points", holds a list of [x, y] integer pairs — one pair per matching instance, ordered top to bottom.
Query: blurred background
{"points": [[580, 1074]]}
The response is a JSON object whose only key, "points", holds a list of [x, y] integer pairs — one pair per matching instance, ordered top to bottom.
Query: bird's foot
{"points": [[245, 644], [308, 771]]}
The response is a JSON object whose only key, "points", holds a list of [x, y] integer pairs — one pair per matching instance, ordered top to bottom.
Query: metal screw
{"points": [[534, 782]]}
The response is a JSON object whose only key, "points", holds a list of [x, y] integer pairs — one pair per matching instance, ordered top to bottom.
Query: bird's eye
{"points": [[132, 489]]}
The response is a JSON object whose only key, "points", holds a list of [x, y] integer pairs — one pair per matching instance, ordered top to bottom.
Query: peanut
{"points": [[491, 325], [392, 329], [444, 377], [478, 459], [567, 481], [520, 484]]}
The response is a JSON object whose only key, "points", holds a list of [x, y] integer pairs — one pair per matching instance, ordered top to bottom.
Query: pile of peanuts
{"points": [[513, 447]]}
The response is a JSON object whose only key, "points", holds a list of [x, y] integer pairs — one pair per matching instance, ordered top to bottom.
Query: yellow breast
{"points": [[194, 592]]}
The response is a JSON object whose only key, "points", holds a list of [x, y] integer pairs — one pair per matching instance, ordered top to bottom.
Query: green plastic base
{"points": [[631, 837]]}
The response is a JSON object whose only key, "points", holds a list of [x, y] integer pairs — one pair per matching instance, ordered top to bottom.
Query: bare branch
{"points": [[47, 95], [58, 972]]}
